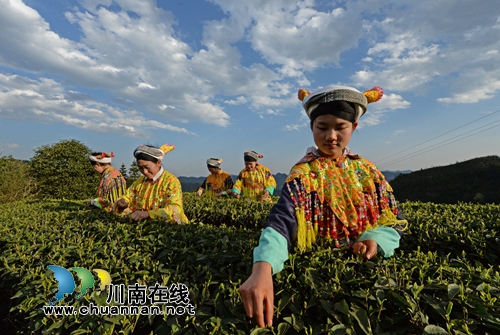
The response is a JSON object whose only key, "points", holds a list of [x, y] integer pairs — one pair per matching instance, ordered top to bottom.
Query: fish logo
{"points": [[66, 281]]}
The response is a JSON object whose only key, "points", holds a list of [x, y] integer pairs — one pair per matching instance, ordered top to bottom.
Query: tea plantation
{"points": [[445, 278]]}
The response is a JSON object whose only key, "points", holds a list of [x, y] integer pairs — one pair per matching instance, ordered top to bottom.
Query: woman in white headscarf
{"points": [[255, 181], [218, 183], [112, 185], [157, 194]]}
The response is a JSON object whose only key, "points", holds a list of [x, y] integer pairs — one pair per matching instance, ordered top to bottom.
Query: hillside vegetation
{"points": [[476, 180]]}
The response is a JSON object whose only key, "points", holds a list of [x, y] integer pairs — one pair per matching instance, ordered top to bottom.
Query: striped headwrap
{"points": [[347, 102], [157, 153], [251, 156], [101, 157], [214, 162]]}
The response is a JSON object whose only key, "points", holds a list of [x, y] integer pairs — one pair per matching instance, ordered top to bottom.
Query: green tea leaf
{"points": [[453, 289], [434, 330]]}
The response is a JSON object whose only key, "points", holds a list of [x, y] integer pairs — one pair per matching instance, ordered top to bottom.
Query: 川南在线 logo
{"points": [[66, 281]]}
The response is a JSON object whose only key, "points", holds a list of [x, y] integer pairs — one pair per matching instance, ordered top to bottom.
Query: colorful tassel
{"points": [[301, 230]]}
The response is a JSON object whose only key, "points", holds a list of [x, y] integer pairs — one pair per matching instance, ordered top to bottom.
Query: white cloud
{"points": [[294, 35], [451, 43], [134, 52], [136, 57], [146, 86], [482, 91], [45, 101], [238, 101], [390, 101], [164, 107], [274, 112], [375, 114], [371, 119], [292, 127], [399, 131]]}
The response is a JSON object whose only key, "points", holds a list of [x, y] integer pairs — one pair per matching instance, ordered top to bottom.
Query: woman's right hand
{"points": [[121, 204], [366, 248], [257, 294]]}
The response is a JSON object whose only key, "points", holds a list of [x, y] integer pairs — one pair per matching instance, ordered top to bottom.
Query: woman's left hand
{"points": [[265, 195], [139, 215], [366, 248]]}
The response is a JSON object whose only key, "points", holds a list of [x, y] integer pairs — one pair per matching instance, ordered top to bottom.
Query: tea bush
{"points": [[62, 170], [16, 182], [232, 212], [445, 278]]}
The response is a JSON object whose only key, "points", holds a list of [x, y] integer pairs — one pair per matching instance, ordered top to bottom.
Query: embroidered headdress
{"points": [[350, 102], [157, 153], [251, 156], [101, 157], [214, 162]]}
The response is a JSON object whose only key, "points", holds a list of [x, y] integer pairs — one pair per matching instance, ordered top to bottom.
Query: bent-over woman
{"points": [[112, 185], [157, 194]]}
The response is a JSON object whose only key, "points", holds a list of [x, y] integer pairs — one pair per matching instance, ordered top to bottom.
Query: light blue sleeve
{"points": [[270, 189], [387, 239], [272, 248]]}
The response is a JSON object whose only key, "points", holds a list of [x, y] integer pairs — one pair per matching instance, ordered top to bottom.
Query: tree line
{"points": [[59, 170]]}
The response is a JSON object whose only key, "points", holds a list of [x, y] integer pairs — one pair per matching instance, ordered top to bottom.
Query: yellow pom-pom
{"points": [[302, 94], [374, 95], [166, 148]]}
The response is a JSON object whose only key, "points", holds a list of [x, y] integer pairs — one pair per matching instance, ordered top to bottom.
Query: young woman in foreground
{"points": [[329, 194]]}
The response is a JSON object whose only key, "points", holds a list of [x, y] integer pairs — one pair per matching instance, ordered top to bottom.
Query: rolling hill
{"points": [[476, 180], [190, 184]]}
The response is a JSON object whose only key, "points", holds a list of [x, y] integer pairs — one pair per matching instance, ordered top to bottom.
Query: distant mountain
{"points": [[390, 175], [195, 180], [475, 180], [190, 184]]}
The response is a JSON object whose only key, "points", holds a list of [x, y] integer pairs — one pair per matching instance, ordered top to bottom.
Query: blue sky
{"points": [[216, 78]]}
